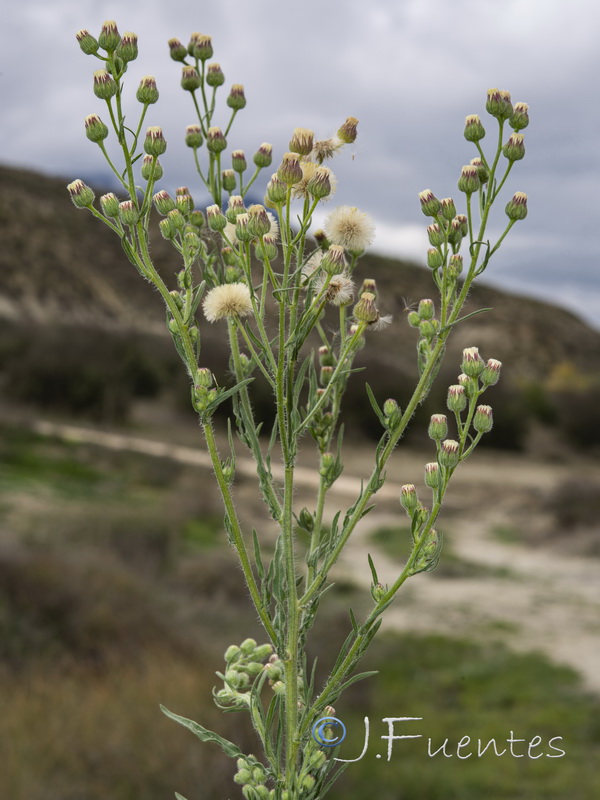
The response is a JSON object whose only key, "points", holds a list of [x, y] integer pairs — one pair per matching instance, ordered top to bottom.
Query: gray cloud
{"points": [[410, 71]]}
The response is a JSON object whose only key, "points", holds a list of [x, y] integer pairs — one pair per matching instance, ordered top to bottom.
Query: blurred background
{"points": [[117, 590]]}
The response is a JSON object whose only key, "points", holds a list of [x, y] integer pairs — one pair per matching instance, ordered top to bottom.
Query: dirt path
{"points": [[544, 599]]}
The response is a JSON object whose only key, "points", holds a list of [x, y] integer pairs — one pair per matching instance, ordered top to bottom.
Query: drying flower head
{"points": [[326, 148], [350, 228], [340, 289], [228, 300]]}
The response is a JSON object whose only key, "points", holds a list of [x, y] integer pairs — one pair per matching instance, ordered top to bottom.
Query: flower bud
{"points": [[109, 38], [88, 43], [128, 47], [200, 47], [177, 50], [214, 75], [190, 80], [105, 85], [147, 92], [236, 98], [498, 104], [520, 117], [95, 130], [474, 130], [348, 131], [193, 136], [215, 141], [301, 141], [154, 143], [514, 149], [263, 156], [238, 161], [151, 168], [482, 170], [290, 171], [469, 179], [228, 180], [319, 185], [81, 194], [163, 202], [184, 202], [109, 203], [430, 205], [234, 208], [516, 208], [448, 209], [127, 212], [196, 218], [176, 220], [259, 223], [464, 223], [242, 229], [166, 230], [455, 234], [435, 235], [266, 248], [434, 258], [334, 260], [455, 266], [426, 309], [365, 310], [413, 319], [427, 329], [472, 363], [491, 372], [325, 376], [470, 385], [457, 398], [392, 412], [483, 419], [438, 427], [449, 454], [432, 475], [408, 497], [233, 651]]}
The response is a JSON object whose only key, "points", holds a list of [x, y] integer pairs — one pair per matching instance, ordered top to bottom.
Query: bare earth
{"points": [[547, 599]]}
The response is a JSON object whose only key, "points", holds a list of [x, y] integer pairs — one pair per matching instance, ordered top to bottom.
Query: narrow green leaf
{"points": [[373, 570], [204, 734]]}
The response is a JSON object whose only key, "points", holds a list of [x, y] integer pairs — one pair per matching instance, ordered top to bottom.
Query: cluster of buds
{"points": [[448, 227], [476, 376], [427, 542], [243, 664], [252, 776]]}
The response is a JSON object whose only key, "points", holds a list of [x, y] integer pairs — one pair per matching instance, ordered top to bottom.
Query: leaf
{"points": [[375, 406], [373, 570], [230, 749], [179, 796]]}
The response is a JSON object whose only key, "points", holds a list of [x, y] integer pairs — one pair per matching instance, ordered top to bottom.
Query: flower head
{"points": [[350, 228], [340, 288], [228, 300]]}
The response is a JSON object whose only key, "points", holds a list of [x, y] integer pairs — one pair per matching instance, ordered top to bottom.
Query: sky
{"points": [[409, 70]]}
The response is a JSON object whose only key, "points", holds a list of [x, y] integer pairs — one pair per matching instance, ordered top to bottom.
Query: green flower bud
{"points": [[109, 38], [88, 43], [128, 47], [201, 47], [177, 50], [214, 75], [190, 80], [105, 85], [147, 93], [236, 99], [498, 104], [520, 117], [95, 130], [474, 130], [348, 131], [193, 136], [215, 141], [301, 141], [154, 143], [514, 149], [263, 156], [238, 161], [151, 168], [290, 171], [469, 179], [228, 180], [319, 185], [276, 190], [81, 194], [163, 202], [184, 202], [110, 205], [430, 205], [235, 208], [516, 208], [448, 209], [128, 213], [196, 218], [216, 219], [176, 220], [259, 223], [242, 228], [166, 230], [435, 235], [434, 258], [334, 260], [455, 266], [368, 285], [426, 309], [365, 310], [414, 319], [427, 329], [472, 363], [491, 373], [325, 376], [469, 384], [457, 398], [392, 412], [483, 419], [438, 427], [449, 454], [433, 478], [408, 497], [248, 646], [263, 651], [233, 652], [242, 777]]}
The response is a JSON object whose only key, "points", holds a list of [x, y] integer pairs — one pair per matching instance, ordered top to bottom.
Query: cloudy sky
{"points": [[410, 70]]}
